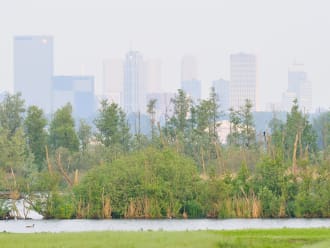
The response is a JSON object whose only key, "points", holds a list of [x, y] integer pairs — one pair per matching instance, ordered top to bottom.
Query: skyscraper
{"points": [[33, 69], [189, 78], [113, 80], [243, 80], [300, 86], [221, 88], [77, 90], [134, 99]]}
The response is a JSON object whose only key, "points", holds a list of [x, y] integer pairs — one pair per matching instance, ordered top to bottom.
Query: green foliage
{"points": [[181, 105], [152, 112], [11, 113], [297, 124], [112, 126], [322, 129], [62, 130], [242, 131], [84, 134], [36, 135], [13, 154], [182, 171], [149, 183], [313, 198], [270, 203], [4, 209]]}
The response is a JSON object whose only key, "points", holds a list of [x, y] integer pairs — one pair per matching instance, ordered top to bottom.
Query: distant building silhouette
{"points": [[33, 69], [189, 78], [243, 80], [299, 87], [193, 89], [77, 90], [222, 90], [134, 94]]}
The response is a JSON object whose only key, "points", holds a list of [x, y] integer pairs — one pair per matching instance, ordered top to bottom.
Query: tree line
{"points": [[180, 170]]}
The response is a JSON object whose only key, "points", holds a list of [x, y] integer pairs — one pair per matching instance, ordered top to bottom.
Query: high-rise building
{"points": [[33, 69], [189, 78], [113, 80], [243, 80], [300, 86], [221, 88], [76, 90], [134, 99]]}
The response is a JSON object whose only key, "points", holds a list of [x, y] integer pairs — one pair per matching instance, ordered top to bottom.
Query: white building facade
{"points": [[243, 80]]}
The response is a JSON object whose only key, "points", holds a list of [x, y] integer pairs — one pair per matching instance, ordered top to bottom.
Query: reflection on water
{"points": [[30, 226]]}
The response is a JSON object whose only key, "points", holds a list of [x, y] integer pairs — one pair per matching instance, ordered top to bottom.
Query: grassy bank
{"points": [[314, 238]]}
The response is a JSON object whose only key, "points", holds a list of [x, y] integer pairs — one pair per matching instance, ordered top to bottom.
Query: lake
{"points": [[23, 226]]}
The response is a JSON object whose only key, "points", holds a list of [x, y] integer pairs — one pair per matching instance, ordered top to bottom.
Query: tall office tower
{"points": [[33, 69], [153, 75], [189, 78], [113, 79], [243, 80], [300, 86], [221, 88], [77, 90], [134, 99]]}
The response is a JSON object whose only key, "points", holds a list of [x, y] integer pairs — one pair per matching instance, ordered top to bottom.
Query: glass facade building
{"points": [[33, 69], [76, 90], [134, 92]]}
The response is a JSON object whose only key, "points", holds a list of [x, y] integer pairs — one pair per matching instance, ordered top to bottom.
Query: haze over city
{"points": [[86, 33], [164, 123]]}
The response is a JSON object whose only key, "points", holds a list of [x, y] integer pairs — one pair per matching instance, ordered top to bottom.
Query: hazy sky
{"points": [[88, 31]]}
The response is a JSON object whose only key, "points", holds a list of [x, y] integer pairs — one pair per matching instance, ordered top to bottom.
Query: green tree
{"points": [[181, 106], [152, 112], [11, 113], [215, 114], [208, 115], [247, 125], [112, 126], [322, 128], [62, 130], [242, 130], [298, 132], [84, 134], [36, 135], [234, 137], [276, 142], [15, 159], [148, 183]]}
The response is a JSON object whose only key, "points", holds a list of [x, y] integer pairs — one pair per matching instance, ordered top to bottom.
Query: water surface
{"points": [[31, 226]]}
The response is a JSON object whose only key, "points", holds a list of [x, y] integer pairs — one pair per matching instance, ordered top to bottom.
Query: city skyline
{"points": [[82, 44], [130, 83]]}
